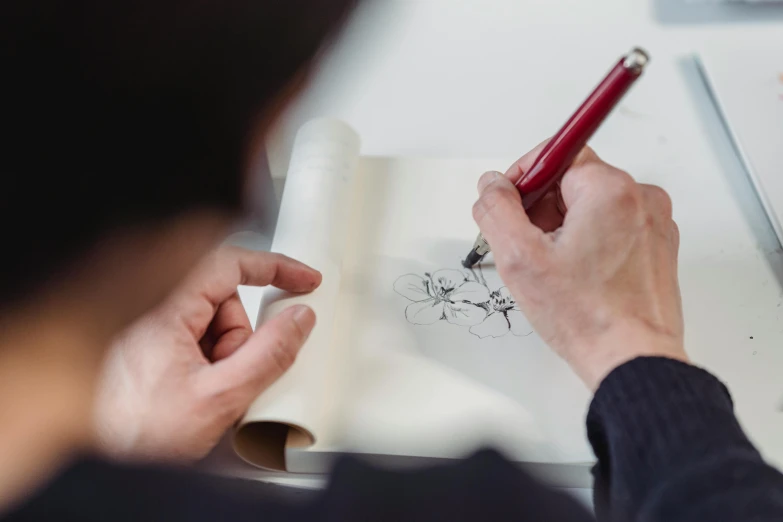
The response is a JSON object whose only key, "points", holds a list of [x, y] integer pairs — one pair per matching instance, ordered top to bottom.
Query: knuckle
{"points": [[587, 155], [593, 175], [623, 180], [625, 195], [660, 199], [649, 222], [234, 256], [275, 257]]}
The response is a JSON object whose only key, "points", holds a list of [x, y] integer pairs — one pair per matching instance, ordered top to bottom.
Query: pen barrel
{"points": [[560, 152]]}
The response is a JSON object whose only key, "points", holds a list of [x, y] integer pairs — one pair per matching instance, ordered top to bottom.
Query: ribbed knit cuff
{"points": [[653, 416]]}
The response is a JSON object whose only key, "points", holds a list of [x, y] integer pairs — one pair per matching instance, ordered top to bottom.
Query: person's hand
{"points": [[600, 285], [182, 375]]}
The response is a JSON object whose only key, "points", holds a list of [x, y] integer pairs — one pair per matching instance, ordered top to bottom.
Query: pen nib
{"points": [[477, 253], [472, 259]]}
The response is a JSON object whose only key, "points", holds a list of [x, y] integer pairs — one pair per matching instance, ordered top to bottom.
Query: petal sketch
{"points": [[447, 280], [413, 287], [470, 291], [505, 293], [501, 300], [425, 312], [464, 314], [519, 323], [495, 325]]}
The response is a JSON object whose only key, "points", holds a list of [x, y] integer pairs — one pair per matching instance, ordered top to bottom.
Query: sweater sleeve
{"points": [[670, 448], [482, 487]]}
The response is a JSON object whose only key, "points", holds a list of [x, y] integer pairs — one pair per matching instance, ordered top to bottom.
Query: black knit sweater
{"points": [[669, 448]]}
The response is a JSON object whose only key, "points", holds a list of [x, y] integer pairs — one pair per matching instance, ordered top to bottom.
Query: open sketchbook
{"points": [[412, 355]]}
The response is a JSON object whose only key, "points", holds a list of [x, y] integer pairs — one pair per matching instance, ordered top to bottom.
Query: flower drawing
{"points": [[443, 295], [463, 299], [504, 316]]}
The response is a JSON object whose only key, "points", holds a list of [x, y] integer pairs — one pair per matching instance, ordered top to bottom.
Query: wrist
{"points": [[594, 359]]}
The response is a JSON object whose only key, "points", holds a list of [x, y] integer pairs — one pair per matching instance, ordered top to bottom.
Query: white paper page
{"points": [[747, 85], [313, 227], [374, 382], [438, 388]]}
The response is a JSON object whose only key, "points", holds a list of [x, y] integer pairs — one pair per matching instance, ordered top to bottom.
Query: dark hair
{"points": [[119, 113]]}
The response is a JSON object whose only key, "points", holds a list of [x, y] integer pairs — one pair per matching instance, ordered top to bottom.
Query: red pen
{"points": [[560, 152]]}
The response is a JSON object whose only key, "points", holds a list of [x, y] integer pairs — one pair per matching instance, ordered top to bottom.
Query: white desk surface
{"points": [[492, 78]]}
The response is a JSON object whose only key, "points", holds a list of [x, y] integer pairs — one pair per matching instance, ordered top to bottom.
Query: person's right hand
{"points": [[602, 288]]}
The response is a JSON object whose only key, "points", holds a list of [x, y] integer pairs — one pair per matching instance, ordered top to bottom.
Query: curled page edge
{"points": [[313, 228]]}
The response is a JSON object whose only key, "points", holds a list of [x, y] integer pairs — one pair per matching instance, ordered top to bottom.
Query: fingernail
{"points": [[488, 178], [319, 277], [304, 317]]}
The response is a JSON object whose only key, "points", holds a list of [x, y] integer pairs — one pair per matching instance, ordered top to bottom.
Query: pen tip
{"points": [[473, 258]]}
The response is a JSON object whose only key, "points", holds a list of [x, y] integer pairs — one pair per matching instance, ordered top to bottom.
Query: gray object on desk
{"points": [[717, 11]]}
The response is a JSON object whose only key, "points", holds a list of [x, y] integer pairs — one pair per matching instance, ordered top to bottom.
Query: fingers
{"points": [[523, 164], [590, 177], [602, 195], [599, 197], [602, 200], [658, 203], [659, 206], [548, 213], [504, 223], [220, 274], [217, 277], [229, 329], [262, 359]]}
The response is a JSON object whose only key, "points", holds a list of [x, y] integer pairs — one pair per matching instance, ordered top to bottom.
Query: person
{"points": [[130, 131]]}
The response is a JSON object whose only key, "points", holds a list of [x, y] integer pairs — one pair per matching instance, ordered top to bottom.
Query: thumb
{"points": [[505, 224], [266, 355]]}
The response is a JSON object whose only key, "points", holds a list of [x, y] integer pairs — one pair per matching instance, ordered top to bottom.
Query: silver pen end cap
{"points": [[636, 60]]}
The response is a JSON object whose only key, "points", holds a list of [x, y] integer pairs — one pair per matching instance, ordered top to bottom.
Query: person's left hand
{"points": [[179, 377]]}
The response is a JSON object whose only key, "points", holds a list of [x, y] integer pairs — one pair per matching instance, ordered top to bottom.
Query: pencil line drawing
{"points": [[461, 298]]}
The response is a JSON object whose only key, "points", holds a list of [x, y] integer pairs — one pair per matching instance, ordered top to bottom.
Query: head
{"points": [[124, 121], [127, 132]]}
